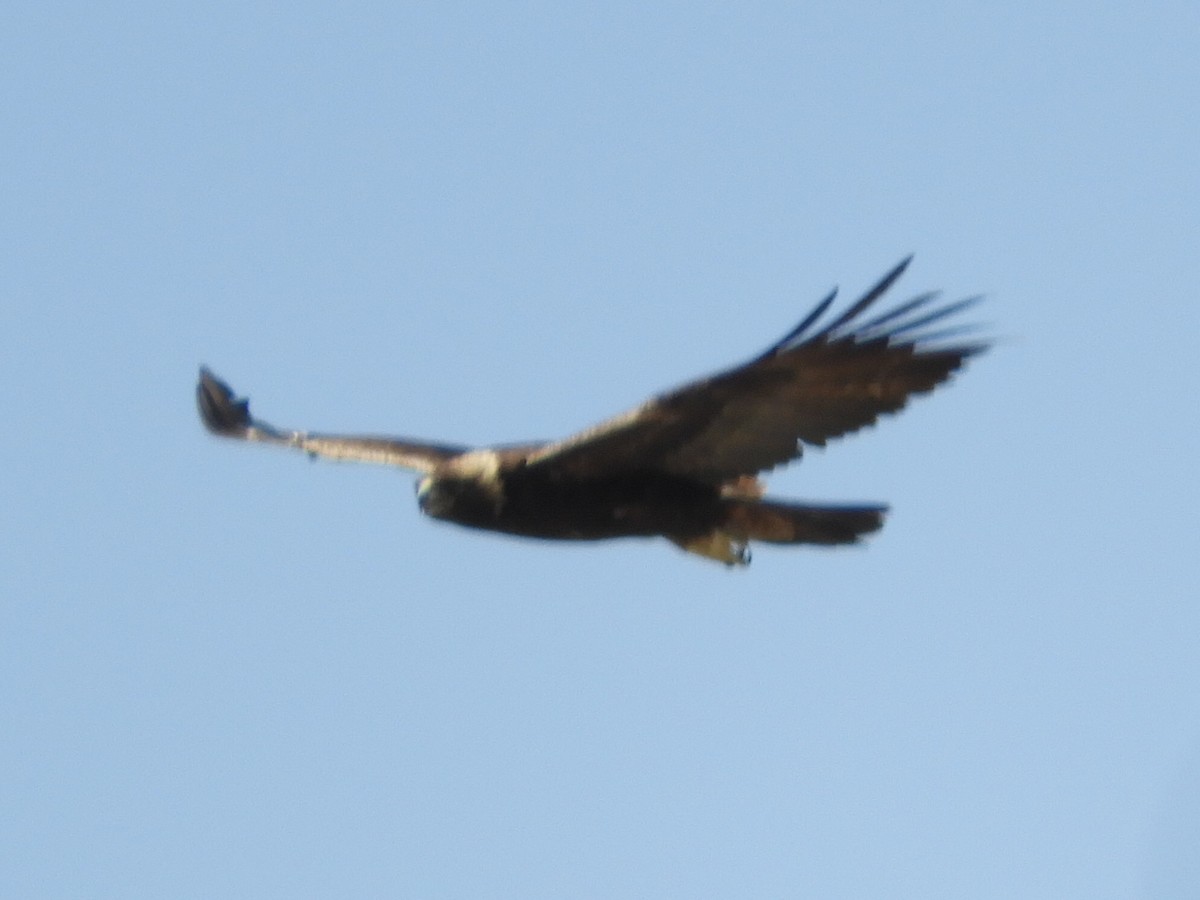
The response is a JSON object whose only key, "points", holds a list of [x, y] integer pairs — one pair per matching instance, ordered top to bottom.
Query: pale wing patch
{"points": [[226, 415], [476, 465], [744, 487]]}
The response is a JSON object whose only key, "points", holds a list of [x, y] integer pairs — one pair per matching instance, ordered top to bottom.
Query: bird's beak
{"points": [[424, 486]]}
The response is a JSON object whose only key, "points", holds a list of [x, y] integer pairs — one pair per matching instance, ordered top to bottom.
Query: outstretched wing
{"points": [[818, 382], [229, 416]]}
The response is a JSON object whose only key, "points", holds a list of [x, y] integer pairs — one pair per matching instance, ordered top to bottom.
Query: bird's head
{"points": [[467, 490], [434, 496], [462, 500]]}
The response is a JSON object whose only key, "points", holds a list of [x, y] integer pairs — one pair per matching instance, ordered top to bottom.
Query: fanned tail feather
{"points": [[771, 522], [794, 523]]}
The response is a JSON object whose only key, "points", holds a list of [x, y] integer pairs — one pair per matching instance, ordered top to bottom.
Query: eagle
{"points": [[685, 464]]}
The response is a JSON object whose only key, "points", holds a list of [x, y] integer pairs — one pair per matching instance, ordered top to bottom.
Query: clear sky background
{"points": [[229, 672]]}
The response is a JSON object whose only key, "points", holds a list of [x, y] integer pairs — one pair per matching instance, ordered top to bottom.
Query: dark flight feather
{"points": [[803, 390]]}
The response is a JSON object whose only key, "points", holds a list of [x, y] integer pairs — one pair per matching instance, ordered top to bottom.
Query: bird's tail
{"points": [[747, 520], [794, 523]]}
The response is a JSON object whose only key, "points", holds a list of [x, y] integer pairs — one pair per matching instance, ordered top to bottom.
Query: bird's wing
{"points": [[818, 382], [227, 415]]}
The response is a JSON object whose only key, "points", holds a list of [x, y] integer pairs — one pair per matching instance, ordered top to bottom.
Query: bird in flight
{"points": [[684, 465]]}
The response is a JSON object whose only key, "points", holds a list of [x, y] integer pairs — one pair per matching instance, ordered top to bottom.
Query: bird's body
{"points": [[684, 464]]}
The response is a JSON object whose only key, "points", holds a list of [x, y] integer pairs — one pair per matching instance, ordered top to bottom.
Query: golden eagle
{"points": [[682, 465]]}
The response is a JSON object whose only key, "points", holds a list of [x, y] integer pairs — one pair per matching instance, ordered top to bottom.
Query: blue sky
{"points": [[229, 672]]}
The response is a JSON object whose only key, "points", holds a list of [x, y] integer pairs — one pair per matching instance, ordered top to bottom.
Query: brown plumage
{"points": [[683, 465]]}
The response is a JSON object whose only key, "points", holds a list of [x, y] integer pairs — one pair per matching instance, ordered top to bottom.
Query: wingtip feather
{"points": [[220, 409]]}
